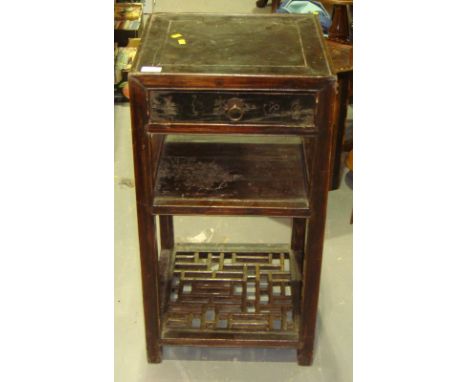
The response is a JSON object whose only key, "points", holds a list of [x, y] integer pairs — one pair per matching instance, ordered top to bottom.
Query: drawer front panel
{"points": [[258, 108]]}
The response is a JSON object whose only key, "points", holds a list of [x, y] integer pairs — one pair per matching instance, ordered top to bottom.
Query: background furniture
{"points": [[274, 4], [128, 22], [341, 29], [339, 43], [342, 64], [268, 109]]}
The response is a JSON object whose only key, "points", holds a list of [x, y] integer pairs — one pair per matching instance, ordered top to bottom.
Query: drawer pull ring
{"points": [[235, 109]]}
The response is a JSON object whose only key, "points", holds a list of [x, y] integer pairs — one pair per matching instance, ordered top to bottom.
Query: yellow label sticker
{"points": [[176, 35], [181, 41]]}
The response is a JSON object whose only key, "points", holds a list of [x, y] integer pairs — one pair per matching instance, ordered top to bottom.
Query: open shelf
{"points": [[247, 176], [231, 295]]}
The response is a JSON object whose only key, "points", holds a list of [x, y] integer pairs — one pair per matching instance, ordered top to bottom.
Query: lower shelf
{"points": [[232, 297]]}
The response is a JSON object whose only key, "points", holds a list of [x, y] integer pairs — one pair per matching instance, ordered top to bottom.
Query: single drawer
{"points": [[220, 107]]}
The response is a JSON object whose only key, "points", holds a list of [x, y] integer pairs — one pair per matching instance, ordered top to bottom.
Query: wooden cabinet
{"points": [[226, 124]]}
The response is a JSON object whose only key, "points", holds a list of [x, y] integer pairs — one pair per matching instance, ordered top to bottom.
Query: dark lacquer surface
{"points": [[238, 44], [264, 108]]}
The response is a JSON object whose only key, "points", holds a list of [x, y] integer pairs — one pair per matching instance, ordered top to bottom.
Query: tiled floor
{"points": [[333, 359]]}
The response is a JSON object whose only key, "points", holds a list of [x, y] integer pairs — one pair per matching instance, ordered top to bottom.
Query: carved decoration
{"points": [[163, 107], [271, 108], [296, 110]]}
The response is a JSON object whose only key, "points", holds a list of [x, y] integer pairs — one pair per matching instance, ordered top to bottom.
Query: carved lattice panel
{"points": [[231, 291]]}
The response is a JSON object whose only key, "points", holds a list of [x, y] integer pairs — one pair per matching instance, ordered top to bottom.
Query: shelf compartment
{"points": [[249, 176], [245, 296]]}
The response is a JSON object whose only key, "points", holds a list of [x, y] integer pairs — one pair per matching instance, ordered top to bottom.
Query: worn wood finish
{"points": [[224, 45], [341, 56], [222, 81], [247, 81], [258, 108], [218, 128], [156, 142], [221, 175], [318, 194], [205, 208], [146, 222], [166, 223], [298, 234], [219, 292], [232, 295], [228, 340]]}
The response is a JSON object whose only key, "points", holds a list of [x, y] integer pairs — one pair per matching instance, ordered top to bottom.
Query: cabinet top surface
{"points": [[283, 45]]}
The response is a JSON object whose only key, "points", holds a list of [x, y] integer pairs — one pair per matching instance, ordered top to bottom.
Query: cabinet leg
{"points": [[318, 160], [146, 221], [167, 231], [150, 282], [310, 289], [154, 355], [305, 356]]}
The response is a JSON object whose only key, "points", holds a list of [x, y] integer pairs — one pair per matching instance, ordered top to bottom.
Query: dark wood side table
{"points": [[225, 124]]}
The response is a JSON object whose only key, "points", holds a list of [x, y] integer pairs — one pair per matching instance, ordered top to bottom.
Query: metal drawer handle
{"points": [[235, 109]]}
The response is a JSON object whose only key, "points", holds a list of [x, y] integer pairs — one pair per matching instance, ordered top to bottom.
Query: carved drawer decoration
{"points": [[258, 108]]}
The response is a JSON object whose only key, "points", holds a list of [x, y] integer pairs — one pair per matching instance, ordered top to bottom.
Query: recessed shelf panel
{"points": [[255, 176]]}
